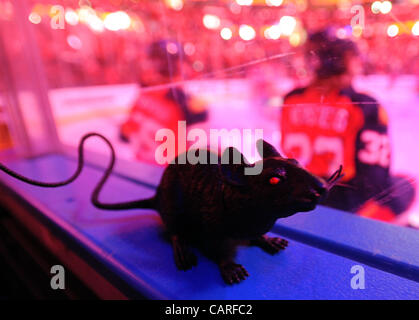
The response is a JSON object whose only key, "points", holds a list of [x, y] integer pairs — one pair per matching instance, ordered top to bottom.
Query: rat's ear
{"points": [[266, 150], [233, 156], [232, 167]]}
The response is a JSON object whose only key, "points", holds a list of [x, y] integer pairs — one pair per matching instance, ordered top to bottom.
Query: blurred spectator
{"points": [[79, 55], [328, 123]]}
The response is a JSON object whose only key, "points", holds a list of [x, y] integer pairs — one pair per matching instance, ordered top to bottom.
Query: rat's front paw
{"points": [[271, 245], [185, 259], [233, 272]]}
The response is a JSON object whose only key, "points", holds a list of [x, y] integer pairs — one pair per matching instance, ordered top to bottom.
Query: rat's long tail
{"points": [[143, 204]]}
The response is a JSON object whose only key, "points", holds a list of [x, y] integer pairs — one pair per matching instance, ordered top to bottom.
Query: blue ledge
{"points": [[129, 245], [381, 245]]}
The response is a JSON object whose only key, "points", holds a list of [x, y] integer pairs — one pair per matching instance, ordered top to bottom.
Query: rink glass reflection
{"points": [[127, 68]]}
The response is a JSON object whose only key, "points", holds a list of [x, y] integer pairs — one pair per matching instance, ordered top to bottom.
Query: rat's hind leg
{"points": [[172, 211], [271, 245], [185, 259]]}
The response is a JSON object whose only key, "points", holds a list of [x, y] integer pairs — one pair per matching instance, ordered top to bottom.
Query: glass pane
{"points": [[22, 83], [330, 83]]}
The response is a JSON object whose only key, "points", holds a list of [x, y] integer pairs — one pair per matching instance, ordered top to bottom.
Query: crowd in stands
{"points": [[80, 56]]}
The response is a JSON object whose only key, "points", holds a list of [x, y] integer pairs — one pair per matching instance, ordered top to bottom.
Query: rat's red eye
{"points": [[274, 180]]}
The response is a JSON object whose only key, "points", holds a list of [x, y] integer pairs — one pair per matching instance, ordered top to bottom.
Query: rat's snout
{"points": [[317, 193], [313, 194]]}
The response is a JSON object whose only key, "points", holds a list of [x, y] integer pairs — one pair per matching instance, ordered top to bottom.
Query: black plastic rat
{"points": [[216, 206]]}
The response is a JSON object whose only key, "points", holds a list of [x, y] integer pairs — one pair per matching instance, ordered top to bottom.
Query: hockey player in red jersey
{"points": [[162, 103], [328, 123]]}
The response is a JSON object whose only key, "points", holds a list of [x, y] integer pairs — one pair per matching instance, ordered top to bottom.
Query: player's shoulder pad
{"points": [[295, 92], [358, 97], [369, 106]]}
